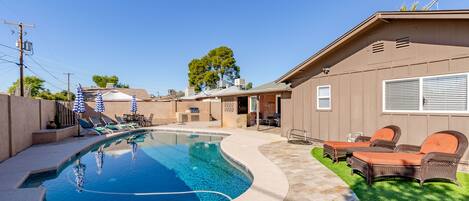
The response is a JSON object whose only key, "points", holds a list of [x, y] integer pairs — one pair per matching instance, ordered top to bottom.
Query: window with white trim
{"points": [[443, 93], [323, 97], [253, 104]]}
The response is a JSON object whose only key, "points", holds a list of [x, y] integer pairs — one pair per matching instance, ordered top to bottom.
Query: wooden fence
{"points": [[65, 117]]}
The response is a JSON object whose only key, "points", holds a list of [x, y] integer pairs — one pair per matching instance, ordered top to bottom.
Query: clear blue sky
{"points": [[149, 43]]}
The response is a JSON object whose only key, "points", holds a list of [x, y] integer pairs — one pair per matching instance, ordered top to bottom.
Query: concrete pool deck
{"points": [[39, 158], [270, 183]]}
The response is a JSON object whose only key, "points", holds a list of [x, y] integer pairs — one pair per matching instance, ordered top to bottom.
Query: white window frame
{"points": [[321, 97], [251, 102], [421, 110]]}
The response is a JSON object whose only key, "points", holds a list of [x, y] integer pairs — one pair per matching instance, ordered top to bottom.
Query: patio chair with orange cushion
{"points": [[384, 139], [436, 158]]}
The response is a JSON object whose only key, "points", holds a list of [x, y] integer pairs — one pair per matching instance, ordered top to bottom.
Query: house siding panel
{"points": [[357, 75], [344, 106], [315, 125]]}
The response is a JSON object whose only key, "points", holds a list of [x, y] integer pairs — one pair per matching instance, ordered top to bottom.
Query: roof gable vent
{"points": [[402, 42], [377, 47]]}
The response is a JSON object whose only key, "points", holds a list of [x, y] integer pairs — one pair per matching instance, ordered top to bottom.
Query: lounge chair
{"points": [[96, 121], [121, 121], [109, 122], [86, 125], [383, 139], [436, 158]]}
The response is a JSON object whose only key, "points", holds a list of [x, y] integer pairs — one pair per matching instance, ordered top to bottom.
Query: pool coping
{"points": [[269, 183], [269, 187]]}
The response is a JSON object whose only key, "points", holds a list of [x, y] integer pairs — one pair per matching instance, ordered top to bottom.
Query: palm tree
{"points": [[413, 6]]}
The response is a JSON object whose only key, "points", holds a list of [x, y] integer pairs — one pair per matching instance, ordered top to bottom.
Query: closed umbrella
{"points": [[99, 103], [79, 105], [133, 105]]}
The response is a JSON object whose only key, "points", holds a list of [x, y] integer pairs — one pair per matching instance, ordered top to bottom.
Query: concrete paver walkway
{"points": [[308, 178]]}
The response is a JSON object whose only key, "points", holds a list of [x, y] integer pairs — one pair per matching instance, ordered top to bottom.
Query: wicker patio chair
{"points": [[386, 137], [436, 158]]}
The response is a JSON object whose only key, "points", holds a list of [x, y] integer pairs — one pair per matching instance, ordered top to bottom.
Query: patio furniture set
{"points": [[103, 124], [378, 156]]}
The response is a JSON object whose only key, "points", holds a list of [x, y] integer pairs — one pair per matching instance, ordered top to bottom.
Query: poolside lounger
{"points": [[95, 120], [121, 120], [109, 122], [86, 125], [385, 138], [436, 158]]}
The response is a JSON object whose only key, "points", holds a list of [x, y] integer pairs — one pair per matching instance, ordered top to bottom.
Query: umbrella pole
{"points": [[78, 124]]}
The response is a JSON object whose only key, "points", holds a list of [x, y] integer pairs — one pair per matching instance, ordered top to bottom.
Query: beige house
{"points": [[409, 69], [240, 108]]}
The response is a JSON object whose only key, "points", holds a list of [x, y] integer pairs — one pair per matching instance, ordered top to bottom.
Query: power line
{"points": [[10, 47], [8, 61], [43, 68], [30, 70]]}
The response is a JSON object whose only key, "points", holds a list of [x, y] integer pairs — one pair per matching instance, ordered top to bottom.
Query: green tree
{"points": [[222, 61], [218, 64], [102, 80], [33, 83], [249, 85], [46, 94], [63, 95]]}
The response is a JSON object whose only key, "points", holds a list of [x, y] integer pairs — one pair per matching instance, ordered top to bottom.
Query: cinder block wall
{"points": [[164, 112], [19, 118], [4, 128]]}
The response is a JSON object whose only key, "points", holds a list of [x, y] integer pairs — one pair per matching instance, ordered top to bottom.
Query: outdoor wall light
{"points": [[326, 70]]}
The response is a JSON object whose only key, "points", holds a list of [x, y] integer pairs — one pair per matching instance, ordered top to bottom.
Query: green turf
{"points": [[396, 188]]}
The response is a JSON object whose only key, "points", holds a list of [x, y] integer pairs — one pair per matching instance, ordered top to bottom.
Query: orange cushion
{"points": [[383, 134], [440, 142], [338, 145], [389, 158]]}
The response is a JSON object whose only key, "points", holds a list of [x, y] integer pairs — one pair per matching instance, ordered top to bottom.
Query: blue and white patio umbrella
{"points": [[99, 103], [79, 104], [133, 105], [134, 147], [99, 156], [79, 172]]}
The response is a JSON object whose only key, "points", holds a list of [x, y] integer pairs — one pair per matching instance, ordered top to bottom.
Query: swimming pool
{"points": [[153, 165]]}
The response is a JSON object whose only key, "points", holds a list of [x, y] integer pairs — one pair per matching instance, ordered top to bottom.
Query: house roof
{"points": [[375, 19], [270, 87], [226, 91], [141, 94], [202, 94], [115, 95]]}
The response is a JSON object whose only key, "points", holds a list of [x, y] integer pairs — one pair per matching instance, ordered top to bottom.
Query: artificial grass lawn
{"points": [[396, 188]]}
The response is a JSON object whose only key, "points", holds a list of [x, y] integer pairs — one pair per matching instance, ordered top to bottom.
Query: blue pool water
{"points": [[140, 166]]}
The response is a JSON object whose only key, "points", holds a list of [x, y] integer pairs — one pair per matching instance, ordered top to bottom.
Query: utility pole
{"points": [[20, 46], [68, 86]]}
